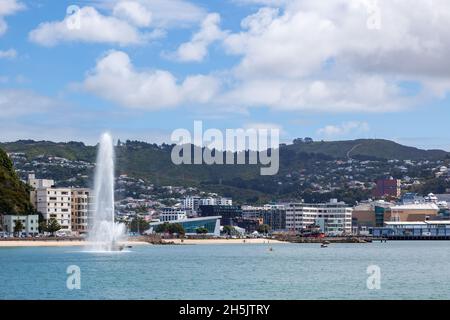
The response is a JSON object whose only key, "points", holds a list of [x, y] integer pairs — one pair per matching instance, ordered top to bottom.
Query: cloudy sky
{"points": [[331, 69]]}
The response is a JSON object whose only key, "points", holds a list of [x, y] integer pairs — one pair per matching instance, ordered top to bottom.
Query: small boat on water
{"points": [[325, 244]]}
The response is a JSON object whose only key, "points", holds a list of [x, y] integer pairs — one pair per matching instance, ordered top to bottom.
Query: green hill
{"points": [[368, 148], [242, 182], [14, 195]]}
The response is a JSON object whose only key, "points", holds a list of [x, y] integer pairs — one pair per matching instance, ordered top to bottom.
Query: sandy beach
{"points": [[65, 243]]}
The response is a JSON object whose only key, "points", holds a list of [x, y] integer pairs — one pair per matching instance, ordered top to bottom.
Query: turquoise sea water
{"points": [[409, 270]]}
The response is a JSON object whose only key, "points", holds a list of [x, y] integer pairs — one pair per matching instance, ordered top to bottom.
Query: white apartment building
{"points": [[37, 184], [81, 200], [210, 201], [194, 202], [224, 202], [55, 203], [191, 203], [69, 206], [172, 214], [334, 218], [30, 223]]}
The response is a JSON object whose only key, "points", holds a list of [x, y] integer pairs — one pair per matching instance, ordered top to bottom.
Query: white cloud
{"points": [[261, 2], [8, 7], [133, 11], [165, 13], [173, 13], [122, 22], [93, 27], [197, 49], [8, 54], [306, 55], [314, 55], [115, 78], [17, 102], [262, 125], [266, 126], [344, 129]]}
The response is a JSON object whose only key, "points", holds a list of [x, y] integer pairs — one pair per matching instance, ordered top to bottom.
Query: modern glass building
{"points": [[228, 213], [212, 224]]}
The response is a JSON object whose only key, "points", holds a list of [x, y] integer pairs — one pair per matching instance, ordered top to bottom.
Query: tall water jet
{"points": [[104, 234]]}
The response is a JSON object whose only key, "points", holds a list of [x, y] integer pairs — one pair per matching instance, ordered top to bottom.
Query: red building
{"points": [[388, 187]]}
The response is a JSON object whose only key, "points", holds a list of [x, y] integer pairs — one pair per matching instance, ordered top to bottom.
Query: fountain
{"points": [[105, 234]]}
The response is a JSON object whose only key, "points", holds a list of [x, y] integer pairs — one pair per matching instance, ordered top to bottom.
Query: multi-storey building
{"points": [[38, 184], [388, 187], [81, 200], [55, 203], [191, 203], [69, 206], [226, 212], [172, 214], [272, 215], [333, 218], [30, 223]]}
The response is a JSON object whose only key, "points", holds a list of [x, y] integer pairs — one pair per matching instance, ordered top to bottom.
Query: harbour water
{"points": [[409, 270]]}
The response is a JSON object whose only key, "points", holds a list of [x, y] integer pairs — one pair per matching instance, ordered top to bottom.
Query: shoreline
{"points": [[225, 241], [55, 243], [79, 243]]}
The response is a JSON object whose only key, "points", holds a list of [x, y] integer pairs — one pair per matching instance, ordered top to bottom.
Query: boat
{"points": [[325, 244]]}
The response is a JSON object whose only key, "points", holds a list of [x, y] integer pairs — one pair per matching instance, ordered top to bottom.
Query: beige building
{"points": [[81, 200], [412, 212], [364, 214]]}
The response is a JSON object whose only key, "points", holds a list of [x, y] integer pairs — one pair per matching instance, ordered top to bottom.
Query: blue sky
{"points": [[142, 68]]}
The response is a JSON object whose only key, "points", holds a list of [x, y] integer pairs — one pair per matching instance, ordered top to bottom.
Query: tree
{"points": [[138, 225], [51, 226], [18, 227], [162, 228], [171, 228], [176, 228], [264, 228], [201, 230], [228, 230]]}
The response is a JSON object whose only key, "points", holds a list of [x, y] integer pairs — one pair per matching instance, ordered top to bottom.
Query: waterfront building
{"points": [[81, 201], [55, 203], [69, 206], [226, 212], [411, 212], [172, 214], [365, 214], [272, 215], [334, 218], [30, 223], [212, 224], [248, 224], [413, 229]]}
